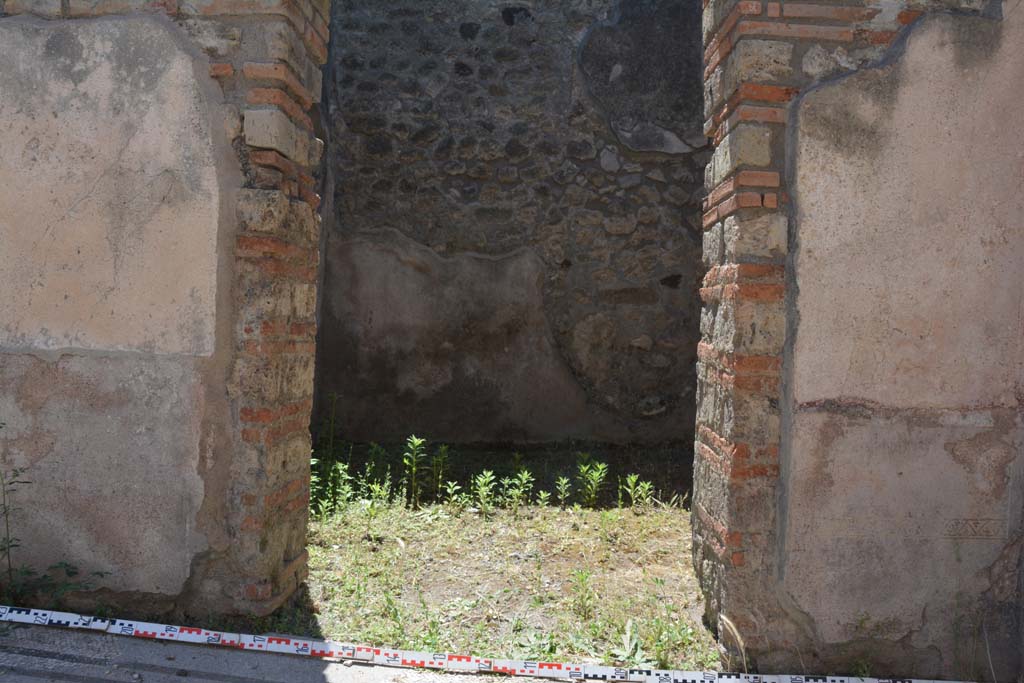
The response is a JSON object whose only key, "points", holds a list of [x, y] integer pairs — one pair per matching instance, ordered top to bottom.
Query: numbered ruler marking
{"points": [[407, 659]]}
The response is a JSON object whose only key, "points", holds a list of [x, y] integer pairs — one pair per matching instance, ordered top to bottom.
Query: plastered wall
{"points": [[113, 172], [159, 231], [858, 490], [903, 495]]}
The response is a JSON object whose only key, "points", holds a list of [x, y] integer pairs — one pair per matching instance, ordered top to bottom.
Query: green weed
{"points": [[413, 459], [438, 465], [590, 477], [563, 489], [516, 490], [483, 491], [640, 493], [454, 499], [23, 584], [583, 596], [630, 651]]}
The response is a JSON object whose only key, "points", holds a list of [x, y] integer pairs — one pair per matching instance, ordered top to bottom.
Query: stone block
{"points": [[714, 14], [285, 45], [751, 61], [759, 61], [232, 121], [272, 129], [745, 145], [316, 150], [263, 211], [305, 222], [620, 225], [755, 237], [713, 246], [273, 299], [707, 321], [759, 327], [723, 331], [282, 378], [712, 400], [753, 418]]}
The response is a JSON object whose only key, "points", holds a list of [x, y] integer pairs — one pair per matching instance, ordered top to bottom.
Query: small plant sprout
{"points": [[413, 459], [438, 465], [590, 478], [9, 483], [563, 489], [380, 490], [517, 490], [483, 491], [504, 492], [640, 493], [543, 498], [454, 500], [22, 583], [584, 599], [670, 634], [631, 650]]}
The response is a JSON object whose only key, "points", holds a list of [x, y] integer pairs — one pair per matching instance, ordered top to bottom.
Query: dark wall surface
{"points": [[514, 252]]}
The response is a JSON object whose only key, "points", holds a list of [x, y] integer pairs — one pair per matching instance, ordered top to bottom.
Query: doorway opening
{"points": [[512, 257]]}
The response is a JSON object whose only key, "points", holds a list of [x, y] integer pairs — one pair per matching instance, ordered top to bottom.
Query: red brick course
{"points": [[221, 70], [279, 74], [280, 99], [276, 263], [740, 391]]}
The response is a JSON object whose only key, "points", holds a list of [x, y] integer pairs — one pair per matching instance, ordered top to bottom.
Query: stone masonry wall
{"points": [[516, 220], [160, 235], [857, 483]]}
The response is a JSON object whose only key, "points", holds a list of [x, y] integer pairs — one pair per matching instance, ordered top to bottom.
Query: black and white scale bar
{"points": [[408, 659]]}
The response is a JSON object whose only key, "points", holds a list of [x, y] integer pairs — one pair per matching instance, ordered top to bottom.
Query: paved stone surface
{"points": [[29, 654]]}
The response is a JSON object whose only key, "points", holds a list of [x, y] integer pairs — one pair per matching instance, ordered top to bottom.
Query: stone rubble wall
{"points": [[515, 237], [169, 448], [857, 475]]}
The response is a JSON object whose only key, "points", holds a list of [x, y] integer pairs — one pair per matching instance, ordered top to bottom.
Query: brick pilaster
{"points": [[759, 56], [273, 77]]}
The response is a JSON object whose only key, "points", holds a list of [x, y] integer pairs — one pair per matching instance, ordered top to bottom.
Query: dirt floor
{"points": [[612, 585]]}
